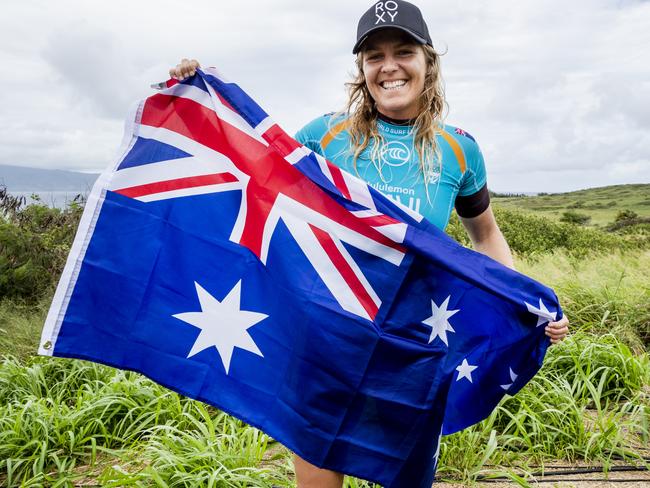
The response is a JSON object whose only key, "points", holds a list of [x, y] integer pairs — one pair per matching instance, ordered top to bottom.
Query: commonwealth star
{"points": [[223, 324]]}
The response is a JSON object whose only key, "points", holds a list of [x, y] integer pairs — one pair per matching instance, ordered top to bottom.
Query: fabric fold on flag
{"points": [[224, 260]]}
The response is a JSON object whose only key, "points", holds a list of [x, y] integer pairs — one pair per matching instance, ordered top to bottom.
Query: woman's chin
{"points": [[397, 111]]}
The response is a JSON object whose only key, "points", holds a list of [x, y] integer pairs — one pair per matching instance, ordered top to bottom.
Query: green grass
{"points": [[601, 204], [603, 293], [20, 327], [589, 402], [64, 420]]}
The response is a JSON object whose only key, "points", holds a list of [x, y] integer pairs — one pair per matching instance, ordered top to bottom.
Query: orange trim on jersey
{"points": [[332, 133], [458, 151]]}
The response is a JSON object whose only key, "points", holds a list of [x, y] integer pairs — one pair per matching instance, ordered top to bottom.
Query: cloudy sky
{"points": [[557, 93]]}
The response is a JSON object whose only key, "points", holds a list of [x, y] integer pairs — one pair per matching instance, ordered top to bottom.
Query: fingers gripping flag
{"points": [[224, 260]]}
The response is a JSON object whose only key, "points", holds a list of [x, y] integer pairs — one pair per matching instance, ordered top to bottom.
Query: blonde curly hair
{"points": [[362, 115]]}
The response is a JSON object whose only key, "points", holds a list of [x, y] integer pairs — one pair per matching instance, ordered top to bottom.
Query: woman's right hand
{"points": [[184, 69]]}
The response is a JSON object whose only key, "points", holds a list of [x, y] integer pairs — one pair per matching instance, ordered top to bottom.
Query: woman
{"points": [[392, 135]]}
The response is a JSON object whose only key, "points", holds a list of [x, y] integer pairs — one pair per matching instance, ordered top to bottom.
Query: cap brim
{"points": [[357, 46]]}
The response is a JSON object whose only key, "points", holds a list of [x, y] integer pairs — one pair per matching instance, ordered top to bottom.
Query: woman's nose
{"points": [[389, 64]]}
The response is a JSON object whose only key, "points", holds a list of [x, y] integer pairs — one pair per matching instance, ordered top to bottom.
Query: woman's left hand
{"points": [[558, 331]]}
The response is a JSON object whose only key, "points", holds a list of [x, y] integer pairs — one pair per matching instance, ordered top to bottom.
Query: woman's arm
{"points": [[487, 238]]}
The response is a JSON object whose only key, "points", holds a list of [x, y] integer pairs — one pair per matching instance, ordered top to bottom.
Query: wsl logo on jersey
{"points": [[395, 153]]}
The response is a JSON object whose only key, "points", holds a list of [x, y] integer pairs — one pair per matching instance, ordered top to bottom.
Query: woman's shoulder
{"points": [[320, 126], [459, 134], [464, 139]]}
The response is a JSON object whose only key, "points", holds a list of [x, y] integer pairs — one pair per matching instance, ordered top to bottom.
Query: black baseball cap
{"points": [[396, 14]]}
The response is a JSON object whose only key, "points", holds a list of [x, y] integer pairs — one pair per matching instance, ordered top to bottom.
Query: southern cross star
{"points": [[544, 315], [439, 322], [223, 324], [465, 370], [513, 377]]}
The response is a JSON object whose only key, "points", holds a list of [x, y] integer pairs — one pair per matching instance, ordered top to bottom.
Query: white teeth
{"points": [[392, 85]]}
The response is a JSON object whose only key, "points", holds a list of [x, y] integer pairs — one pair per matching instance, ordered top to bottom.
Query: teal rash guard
{"points": [[457, 179]]}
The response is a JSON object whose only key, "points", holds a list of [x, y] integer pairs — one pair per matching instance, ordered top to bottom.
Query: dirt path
{"points": [[559, 478]]}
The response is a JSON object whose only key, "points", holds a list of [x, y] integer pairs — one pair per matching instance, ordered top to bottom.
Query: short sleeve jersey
{"points": [[396, 171]]}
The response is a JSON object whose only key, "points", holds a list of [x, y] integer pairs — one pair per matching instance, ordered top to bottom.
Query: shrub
{"points": [[576, 204], [625, 215], [572, 217], [530, 235], [34, 244]]}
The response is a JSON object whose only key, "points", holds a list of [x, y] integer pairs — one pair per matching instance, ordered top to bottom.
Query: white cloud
{"points": [[556, 92]]}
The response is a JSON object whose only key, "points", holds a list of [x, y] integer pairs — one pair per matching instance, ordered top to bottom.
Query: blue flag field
{"points": [[224, 260]]}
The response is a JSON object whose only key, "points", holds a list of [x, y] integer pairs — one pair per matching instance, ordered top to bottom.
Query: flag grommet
{"points": [[47, 346]]}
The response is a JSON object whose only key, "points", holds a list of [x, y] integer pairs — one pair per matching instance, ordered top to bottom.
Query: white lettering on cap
{"points": [[382, 8]]}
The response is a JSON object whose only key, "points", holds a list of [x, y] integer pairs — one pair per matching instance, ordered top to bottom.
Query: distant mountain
{"points": [[21, 179]]}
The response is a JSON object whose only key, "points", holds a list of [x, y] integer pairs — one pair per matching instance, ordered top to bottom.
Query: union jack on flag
{"points": [[180, 124], [228, 262]]}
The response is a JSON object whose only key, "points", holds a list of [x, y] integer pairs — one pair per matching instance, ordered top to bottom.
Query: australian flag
{"points": [[226, 261]]}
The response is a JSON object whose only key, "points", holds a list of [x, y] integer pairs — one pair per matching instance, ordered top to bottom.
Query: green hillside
{"points": [[602, 204]]}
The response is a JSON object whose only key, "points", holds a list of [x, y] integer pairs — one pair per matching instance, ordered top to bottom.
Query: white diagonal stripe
{"points": [[212, 102], [265, 125], [297, 154], [322, 164], [170, 170], [359, 191], [289, 207], [324, 266], [357, 271]]}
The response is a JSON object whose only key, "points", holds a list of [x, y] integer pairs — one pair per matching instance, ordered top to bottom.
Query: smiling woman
{"points": [[394, 68], [393, 136]]}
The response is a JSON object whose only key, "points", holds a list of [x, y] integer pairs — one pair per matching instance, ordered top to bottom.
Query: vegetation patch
{"points": [[531, 235], [34, 244]]}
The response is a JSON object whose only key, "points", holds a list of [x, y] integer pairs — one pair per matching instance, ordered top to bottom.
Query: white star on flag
{"points": [[543, 314], [439, 322], [223, 324], [465, 370], [513, 377]]}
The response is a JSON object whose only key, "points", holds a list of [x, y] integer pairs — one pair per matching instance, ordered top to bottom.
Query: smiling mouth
{"points": [[392, 85]]}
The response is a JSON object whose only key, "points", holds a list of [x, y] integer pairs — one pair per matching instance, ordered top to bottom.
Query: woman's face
{"points": [[394, 67]]}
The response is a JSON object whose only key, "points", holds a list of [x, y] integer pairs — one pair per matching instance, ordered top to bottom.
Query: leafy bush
{"points": [[625, 214], [572, 217], [530, 235], [34, 244]]}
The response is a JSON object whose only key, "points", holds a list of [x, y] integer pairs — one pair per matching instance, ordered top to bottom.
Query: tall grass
{"points": [[605, 293], [20, 327], [590, 402], [58, 414]]}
